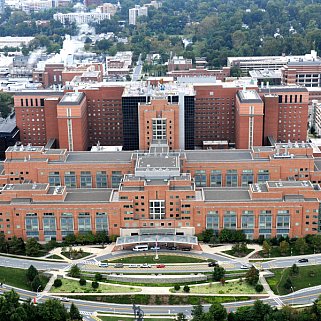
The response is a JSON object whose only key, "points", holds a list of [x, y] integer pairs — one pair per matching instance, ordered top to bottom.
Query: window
{"points": [[159, 128], [263, 176], [116, 177], [231, 177], [247, 177], [200, 178], [216, 178], [54, 179], [70, 179], [85, 179], [101, 179], [156, 209], [247, 219], [212, 220], [230, 220], [101, 221], [265, 221], [283, 221], [84, 222], [31, 224], [66, 224], [49, 228]]}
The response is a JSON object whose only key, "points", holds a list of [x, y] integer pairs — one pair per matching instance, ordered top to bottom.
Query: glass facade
{"points": [[189, 121], [116, 177], [157, 209], [212, 220], [230, 220], [101, 221], [84, 222], [66, 224], [32, 225], [49, 226]]}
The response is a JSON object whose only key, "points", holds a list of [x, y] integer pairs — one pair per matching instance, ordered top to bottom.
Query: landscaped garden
{"points": [[150, 259], [294, 278], [73, 286]]}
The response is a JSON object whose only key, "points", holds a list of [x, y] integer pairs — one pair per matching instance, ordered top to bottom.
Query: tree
{"points": [[6, 104], [101, 237], [70, 239], [316, 241], [301, 245], [17, 246], [32, 247], [266, 247], [284, 247], [294, 269], [74, 271], [31, 273], [218, 273], [252, 276], [98, 277], [82, 281], [57, 283], [36, 284], [288, 284], [94, 285], [177, 287], [186, 288], [259, 288], [52, 310], [197, 312], [217, 312], [74, 313], [181, 317]]}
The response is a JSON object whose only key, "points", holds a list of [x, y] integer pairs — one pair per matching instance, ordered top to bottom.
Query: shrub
{"points": [[98, 277], [82, 281], [57, 283], [95, 285], [177, 287], [186, 288], [259, 288]]}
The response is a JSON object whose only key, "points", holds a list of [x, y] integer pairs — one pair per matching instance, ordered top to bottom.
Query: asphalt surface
{"points": [[138, 69]]}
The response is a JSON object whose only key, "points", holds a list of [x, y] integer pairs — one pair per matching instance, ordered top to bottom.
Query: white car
{"points": [[154, 248], [103, 264], [134, 265], [145, 265], [246, 266], [64, 299]]}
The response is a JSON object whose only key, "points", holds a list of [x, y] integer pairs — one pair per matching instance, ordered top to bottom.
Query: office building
{"points": [[136, 12], [81, 17]]}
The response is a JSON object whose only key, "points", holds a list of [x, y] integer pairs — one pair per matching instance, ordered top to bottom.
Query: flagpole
{"points": [[156, 256]]}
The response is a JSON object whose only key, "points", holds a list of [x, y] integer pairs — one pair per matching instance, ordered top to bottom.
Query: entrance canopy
{"points": [[160, 239]]}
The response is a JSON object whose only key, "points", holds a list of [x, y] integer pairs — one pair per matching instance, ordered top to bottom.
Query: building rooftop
{"points": [[265, 74], [282, 89], [249, 96], [72, 98], [218, 155], [99, 157], [289, 184], [25, 187], [226, 194], [89, 195]]}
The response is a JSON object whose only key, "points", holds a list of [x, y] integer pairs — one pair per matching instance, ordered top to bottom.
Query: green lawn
{"points": [[275, 252], [233, 253], [75, 256], [55, 257], [150, 259], [308, 276], [17, 278], [74, 287], [216, 288], [161, 299], [110, 318]]}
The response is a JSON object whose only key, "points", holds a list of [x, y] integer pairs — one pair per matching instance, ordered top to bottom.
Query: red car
{"points": [[160, 266]]}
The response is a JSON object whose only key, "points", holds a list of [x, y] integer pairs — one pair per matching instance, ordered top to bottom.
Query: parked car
{"points": [[154, 248], [172, 248], [186, 249], [303, 260], [102, 264], [212, 264], [119, 265], [134, 265], [145, 265], [160, 266], [246, 266], [64, 299]]}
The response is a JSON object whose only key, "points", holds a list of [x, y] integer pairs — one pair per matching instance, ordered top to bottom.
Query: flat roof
{"points": [[282, 89], [250, 96], [72, 98], [218, 155], [99, 157], [152, 161], [281, 184], [25, 187], [226, 194], [88, 195]]}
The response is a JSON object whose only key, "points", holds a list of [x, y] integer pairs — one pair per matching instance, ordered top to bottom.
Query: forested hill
{"points": [[221, 28]]}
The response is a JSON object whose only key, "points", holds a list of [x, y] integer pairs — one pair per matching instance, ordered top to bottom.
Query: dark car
{"points": [[172, 248], [186, 249], [303, 260], [212, 264]]}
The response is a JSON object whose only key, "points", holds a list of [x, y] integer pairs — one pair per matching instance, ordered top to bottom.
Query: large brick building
{"points": [[207, 112], [269, 191]]}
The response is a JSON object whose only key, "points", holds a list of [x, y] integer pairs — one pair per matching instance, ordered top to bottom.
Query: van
{"points": [[142, 247], [101, 264]]}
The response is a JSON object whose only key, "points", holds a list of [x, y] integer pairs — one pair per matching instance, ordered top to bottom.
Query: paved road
{"points": [[24, 263]]}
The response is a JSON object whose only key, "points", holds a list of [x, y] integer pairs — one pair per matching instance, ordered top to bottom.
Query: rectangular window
{"points": [[159, 129], [263, 176], [116, 177], [231, 177], [247, 177], [200, 178], [216, 178], [54, 179], [70, 179], [85, 179], [101, 179], [157, 209], [212, 220], [247, 220], [101, 221], [229, 221], [265, 221], [283, 221], [84, 222], [66, 224]]}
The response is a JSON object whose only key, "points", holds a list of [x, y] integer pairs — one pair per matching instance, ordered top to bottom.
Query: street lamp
{"points": [[291, 251], [38, 289], [292, 295]]}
